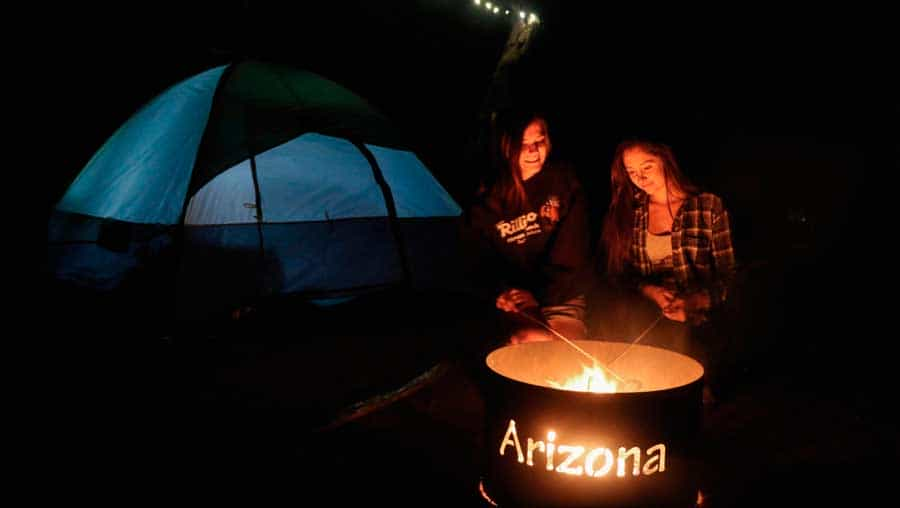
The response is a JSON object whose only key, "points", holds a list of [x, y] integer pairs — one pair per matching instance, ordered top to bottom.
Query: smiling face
{"points": [[535, 147], [645, 170]]}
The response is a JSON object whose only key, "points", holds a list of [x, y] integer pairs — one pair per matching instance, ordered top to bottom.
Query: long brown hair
{"points": [[506, 189], [618, 224]]}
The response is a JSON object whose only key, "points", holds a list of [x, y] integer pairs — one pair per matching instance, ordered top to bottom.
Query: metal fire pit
{"points": [[551, 447]]}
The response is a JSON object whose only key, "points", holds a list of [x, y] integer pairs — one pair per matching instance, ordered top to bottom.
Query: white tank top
{"points": [[659, 250]]}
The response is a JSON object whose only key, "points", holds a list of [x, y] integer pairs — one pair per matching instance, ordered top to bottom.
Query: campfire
{"points": [[591, 379], [614, 432]]}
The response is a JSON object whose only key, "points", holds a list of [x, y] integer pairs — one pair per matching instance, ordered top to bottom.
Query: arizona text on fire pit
{"points": [[561, 432]]}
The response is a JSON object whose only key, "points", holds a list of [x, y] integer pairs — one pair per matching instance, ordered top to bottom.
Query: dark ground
{"points": [[279, 406]]}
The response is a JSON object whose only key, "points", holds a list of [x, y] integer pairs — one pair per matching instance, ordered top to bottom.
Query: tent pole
{"points": [[391, 208], [259, 211]]}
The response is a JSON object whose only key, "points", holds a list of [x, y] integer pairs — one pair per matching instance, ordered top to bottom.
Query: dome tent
{"points": [[255, 179]]}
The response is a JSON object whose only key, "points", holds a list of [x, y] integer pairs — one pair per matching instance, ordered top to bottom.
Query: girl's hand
{"points": [[661, 296], [516, 300], [697, 306], [691, 307], [676, 310]]}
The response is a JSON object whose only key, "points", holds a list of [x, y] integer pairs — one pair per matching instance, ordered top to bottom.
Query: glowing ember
{"points": [[591, 379], [484, 494]]}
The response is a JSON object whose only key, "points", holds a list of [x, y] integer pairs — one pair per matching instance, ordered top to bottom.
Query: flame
{"points": [[591, 379]]}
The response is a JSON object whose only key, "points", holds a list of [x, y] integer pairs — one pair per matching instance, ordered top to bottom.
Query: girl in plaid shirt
{"points": [[668, 241]]}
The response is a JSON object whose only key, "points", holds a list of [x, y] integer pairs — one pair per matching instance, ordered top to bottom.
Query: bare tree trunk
{"points": [[500, 92]]}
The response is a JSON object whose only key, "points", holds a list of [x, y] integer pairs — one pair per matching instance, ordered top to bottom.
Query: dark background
{"points": [[794, 106], [790, 115]]}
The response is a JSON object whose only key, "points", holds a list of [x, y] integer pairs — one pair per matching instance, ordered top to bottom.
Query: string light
{"points": [[494, 8]]}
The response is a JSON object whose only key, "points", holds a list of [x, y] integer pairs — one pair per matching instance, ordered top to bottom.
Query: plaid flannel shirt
{"points": [[702, 254]]}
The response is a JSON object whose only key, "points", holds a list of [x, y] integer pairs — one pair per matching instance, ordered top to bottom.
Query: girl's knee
{"points": [[570, 328], [524, 335]]}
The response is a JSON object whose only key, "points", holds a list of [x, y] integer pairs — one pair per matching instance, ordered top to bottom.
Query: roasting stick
{"points": [[638, 339], [575, 346]]}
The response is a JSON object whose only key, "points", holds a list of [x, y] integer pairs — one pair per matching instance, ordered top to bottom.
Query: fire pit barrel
{"points": [[550, 446]]}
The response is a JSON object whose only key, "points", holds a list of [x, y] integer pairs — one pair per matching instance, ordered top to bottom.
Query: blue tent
{"points": [[252, 180]]}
